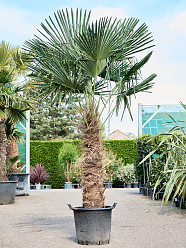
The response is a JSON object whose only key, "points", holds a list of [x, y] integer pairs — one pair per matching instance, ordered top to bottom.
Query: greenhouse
{"points": [[154, 119]]}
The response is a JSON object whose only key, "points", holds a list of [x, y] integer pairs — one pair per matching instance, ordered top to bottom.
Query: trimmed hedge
{"points": [[124, 149], [46, 153]]}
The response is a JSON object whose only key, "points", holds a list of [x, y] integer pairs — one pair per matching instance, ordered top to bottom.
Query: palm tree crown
{"points": [[12, 103]]}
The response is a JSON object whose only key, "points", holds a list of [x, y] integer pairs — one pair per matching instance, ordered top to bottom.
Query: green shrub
{"points": [[144, 145], [124, 149], [68, 154], [110, 165], [156, 170]]}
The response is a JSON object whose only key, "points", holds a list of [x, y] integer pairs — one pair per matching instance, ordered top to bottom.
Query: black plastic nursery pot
{"points": [[118, 184], [68, 185], [107, 185], [128, 185], [134, 185], [22, 187], [141, 188], [150, 191], [7, 192], [179, 201], [93, 225]]}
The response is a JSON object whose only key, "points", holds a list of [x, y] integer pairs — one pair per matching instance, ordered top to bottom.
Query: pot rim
{"points": [[18, 174], [8, 181], [92, 209]]}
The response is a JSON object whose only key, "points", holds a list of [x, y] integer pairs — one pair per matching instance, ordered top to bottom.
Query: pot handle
{"points": [[114, 205], [70, 206]]}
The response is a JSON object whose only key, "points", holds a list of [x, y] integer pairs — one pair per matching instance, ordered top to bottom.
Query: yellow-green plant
{"points": [[67, 156], [110, 165], [126, 173]]}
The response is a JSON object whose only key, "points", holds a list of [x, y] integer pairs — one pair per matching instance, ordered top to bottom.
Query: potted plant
{"points": [[75, 57], [12, 106], [12, 157], [66, 158], [110, 166], [126, 174], [38, 175], [6, 198]]}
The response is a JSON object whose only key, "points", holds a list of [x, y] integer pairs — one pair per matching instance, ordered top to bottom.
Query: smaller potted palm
{"points": [[12, 106], [68, 154], [13, 163], [38, 175]]}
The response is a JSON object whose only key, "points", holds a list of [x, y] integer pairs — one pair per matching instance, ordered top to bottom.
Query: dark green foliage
{"points": [[53, 120], [144, 145], [124, 149], [46, 153], [156, 170]]}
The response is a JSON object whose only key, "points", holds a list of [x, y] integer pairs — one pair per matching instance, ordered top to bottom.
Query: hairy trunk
{"points": [[2, 151], [12, 151], [93, 191]]}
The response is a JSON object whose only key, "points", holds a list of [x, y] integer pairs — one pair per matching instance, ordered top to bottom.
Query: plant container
{"points": [[23, 182], [118, 184], [68, 185], [107, 185], [128, 185], [134, 185], [38, 186], [141, 187], [145, 190], [150, 191], [7, 192], [159, 195], [178, 201], [93, 225]]}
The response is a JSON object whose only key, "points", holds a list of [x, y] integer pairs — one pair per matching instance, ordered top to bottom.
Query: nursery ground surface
{"points": [[43, 219]]}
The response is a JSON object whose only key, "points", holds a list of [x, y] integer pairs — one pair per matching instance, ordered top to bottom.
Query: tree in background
{"points": [[53, 120]]}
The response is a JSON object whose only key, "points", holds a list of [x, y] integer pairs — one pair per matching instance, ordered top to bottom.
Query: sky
{"points": [[19, 21]]}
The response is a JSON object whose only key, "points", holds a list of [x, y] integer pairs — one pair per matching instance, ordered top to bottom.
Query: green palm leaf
{"points": [[72, 52]]}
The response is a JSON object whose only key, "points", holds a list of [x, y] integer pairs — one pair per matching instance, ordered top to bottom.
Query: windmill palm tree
{"points": [[74, 57], [12, 103]]}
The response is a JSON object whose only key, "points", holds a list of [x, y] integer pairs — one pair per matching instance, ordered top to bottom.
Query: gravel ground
{"points": [[43, 219]]}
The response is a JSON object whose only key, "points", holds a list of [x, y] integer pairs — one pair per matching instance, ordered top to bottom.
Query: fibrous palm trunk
{"points": [[2, 151], [12, 151], [93, 191]]}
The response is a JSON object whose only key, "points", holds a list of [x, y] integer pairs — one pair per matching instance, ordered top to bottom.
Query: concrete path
{"points": [[43, 219]]}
